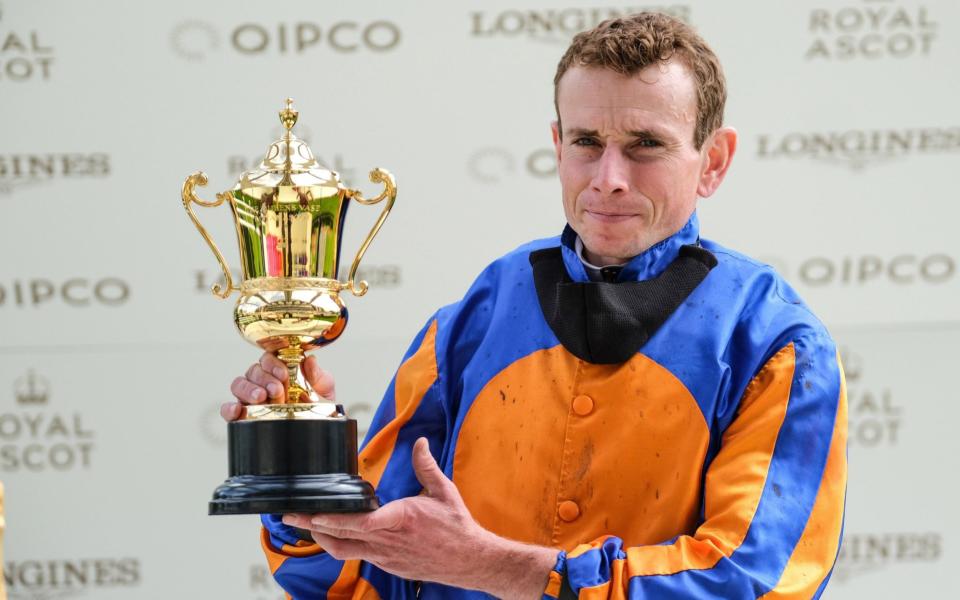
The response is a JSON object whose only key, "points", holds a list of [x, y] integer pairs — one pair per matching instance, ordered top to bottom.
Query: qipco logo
{"points": [[195, 40], [495, 164], [903, 269], [79, 292]]}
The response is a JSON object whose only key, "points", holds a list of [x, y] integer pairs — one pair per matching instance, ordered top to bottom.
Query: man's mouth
{"points": [[609, 216]]}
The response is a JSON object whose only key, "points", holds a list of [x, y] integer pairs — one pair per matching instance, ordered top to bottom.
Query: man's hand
{"points": [[267, 381], [432, 537]]}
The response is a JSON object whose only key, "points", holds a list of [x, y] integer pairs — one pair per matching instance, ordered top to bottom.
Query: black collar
{"points": [[607, 323]]}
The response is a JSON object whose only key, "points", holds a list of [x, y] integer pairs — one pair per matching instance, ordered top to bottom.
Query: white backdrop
{"points": [[114, 356]]}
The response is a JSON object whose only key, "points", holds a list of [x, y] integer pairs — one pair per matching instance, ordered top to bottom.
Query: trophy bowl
{"points": [[298, 455]]}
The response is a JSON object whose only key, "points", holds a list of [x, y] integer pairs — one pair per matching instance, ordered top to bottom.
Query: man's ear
{"points": [[557, 142], [718, 153]]}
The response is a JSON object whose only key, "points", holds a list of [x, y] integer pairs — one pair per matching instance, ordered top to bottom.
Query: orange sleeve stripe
{"points": [[413, 379], [742, 465], [584, 548], [817, 548], [274, 558], [554, 582], [345, 584], [614, 589], [365, 591]]}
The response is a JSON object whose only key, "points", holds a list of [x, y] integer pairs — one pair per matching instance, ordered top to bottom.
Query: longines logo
{"points": [[556, 24], [870, 30], [197, 40], [24, 56], [856, 148], [494, 164], [17, 170], [868, 269], [378, 276], [76, 292], [874, 418], [34, 439], [863, 553], [75, 578], [262, 584]]}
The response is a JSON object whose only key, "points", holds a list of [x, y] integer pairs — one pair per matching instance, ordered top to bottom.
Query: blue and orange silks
{"points": [[710, 464]]}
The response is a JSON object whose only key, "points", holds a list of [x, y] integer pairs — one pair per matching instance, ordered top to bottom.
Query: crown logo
{"points": [[852, 364], [31, 389]]}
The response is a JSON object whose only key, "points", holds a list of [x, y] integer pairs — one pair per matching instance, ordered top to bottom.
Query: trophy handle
{"points": [[200, 178], [390, 193]]}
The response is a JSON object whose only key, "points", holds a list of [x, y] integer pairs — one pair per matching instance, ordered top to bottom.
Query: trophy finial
{"points": [[288, 116]]}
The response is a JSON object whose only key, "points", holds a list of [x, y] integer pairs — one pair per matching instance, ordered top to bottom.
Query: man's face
{"points": [[627, 163]]}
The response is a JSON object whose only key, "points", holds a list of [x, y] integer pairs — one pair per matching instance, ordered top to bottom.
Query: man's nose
{"points": [[611, 175]]}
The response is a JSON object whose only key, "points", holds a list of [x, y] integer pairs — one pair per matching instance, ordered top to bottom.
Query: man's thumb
{"points": [[427, 471]]}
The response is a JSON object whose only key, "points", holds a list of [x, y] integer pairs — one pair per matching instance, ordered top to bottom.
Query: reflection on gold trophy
{"points": [[301, 455]]}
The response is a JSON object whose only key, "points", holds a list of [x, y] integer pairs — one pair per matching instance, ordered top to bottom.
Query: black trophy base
{"points": [[286, 466]]}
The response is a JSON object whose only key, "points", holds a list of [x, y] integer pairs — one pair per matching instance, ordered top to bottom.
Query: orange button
{"points": [[583, 405], [568, 510]]}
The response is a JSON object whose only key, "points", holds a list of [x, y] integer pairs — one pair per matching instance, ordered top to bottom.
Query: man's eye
{"points": [[584, 142], [648, 144]]}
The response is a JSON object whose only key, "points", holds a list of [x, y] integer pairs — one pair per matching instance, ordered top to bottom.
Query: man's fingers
{"points": [[276, 367], [321, 381], [273, 385], [247, 392], [231, 411], [428, 472], [296, 520], [357, 522], [360, 525], [341, 549]]}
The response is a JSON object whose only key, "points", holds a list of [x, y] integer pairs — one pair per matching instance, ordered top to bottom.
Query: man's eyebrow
{"points": [[581, 132], [644, 134]]}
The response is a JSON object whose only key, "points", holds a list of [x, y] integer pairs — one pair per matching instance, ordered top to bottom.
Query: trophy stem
{"points": [[300, 391]]}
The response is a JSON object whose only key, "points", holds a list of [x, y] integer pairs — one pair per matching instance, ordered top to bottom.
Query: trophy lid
{"points": [[289, 161]]}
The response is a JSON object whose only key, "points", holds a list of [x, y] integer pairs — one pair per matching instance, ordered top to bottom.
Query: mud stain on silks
{"points": [[586, 459]]}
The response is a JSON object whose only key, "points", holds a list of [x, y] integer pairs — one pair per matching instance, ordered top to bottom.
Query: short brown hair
{"points": [[626, 45]]}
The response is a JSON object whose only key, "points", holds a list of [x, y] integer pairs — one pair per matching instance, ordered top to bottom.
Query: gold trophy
{"points": [[301, 455]]}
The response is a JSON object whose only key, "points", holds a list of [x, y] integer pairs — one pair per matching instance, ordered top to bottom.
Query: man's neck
{"points": [[597, 268]]}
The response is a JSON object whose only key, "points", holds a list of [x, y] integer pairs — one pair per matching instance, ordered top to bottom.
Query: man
{"points": [[624, 411]]}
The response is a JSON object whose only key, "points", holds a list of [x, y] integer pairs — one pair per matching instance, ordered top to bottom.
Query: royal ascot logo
{"points": [[557, 24], [870, 30], [197, 40], [24, 56], [857, 149], [496, 164], [20, 170], [378, 276], [78, 292], [874, 418], [33, 439], [864, 553], [75, 578], [262, 586]]}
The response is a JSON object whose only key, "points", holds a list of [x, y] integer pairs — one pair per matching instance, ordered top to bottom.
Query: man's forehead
{"points": [[660, 83], [591, 97]]}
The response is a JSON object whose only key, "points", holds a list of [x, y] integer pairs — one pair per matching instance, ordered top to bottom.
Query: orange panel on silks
{"points": [[620, 436]]}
